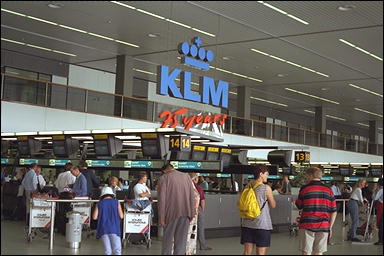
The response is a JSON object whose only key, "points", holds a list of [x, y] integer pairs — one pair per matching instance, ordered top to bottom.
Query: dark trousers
{"points": [[381, 231]]}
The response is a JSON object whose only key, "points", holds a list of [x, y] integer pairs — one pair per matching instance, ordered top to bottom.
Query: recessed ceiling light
{"points": [[55, 5], [345, 8], [283, 12], [153, 35], [360, 49], [226, 58], [281, 75], [324, 89], [313, 96], [358, 100]]}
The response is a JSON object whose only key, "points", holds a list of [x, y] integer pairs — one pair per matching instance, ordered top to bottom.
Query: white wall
{"points": [[91, 79], [59, 80], [153, 96], [17, 117]]}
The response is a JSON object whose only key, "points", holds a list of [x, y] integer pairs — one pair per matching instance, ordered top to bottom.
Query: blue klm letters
{"points": [[197, 57]]}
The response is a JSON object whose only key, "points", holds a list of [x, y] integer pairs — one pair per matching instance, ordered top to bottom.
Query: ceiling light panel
{"points": [[283, 12], [164, 19], [70, 28], [38, 47], [360, 49], [289, 62], [236, 74], [366, 90], [313, 96], [269, 101], [368, 112], [329, 116], [366, 125]]}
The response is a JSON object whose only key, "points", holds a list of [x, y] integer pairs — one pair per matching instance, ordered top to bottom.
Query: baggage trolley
{"points": [[85, 209], [39, 217], [295, 220], [137, 222], [366, 229], [192, 237]]}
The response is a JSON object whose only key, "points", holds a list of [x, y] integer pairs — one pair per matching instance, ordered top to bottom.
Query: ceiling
{"points": [[238, 27]]}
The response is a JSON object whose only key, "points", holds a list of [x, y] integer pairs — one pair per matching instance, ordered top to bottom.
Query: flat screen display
{"points": [[23, 147], [101, 147], [150, 147], [59, 148], [198, 155], [226, 159], [286, 170], [345, 171], [361, 172], [376, 172]]}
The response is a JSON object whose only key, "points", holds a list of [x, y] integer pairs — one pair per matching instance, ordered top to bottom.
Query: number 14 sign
{"points": [[180, 143]]}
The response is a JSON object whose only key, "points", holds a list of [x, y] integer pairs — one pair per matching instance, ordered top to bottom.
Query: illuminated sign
{"points": [[198, 57], [170, 119], [180, 143], [302, 156], [138, 164], [186, 165]]}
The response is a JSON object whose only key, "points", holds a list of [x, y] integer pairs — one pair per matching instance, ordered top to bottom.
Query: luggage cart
{"points": [[85, 209], [39, 217], [295, 220], [137, 222], [366, 229], [192, 237]]}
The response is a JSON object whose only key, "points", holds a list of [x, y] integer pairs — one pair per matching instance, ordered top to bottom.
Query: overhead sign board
{"points": [[302, 156]]}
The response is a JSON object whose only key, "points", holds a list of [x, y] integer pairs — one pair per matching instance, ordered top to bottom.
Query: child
{"points": [[108, 212]]}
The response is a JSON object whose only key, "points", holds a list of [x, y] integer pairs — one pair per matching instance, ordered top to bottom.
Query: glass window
{"points": [[22, 73], [45, 77], [16, 89], [76, 99], [101, 103]]}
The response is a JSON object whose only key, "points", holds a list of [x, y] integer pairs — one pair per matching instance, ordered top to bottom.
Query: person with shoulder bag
{"points": [[256, 224]]}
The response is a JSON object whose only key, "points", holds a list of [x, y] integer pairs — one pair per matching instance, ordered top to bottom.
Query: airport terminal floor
{"points": [[13, 242]]}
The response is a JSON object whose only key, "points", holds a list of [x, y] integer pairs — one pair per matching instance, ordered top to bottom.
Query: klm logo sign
{"points": [[195, 56]]}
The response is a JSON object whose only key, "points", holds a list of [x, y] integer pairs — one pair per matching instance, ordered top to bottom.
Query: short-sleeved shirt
{"points": [[30, 181], [140, 188], [201, 192], [379, 196], [317, 203]]}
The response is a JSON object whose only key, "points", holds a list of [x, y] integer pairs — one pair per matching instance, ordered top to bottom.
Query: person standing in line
{"points": [[65, 178], [40, 180], [92, 181], [29, 183], [203, 183], [114, 184], [80, 185], [286, 188], [142, 192], [354, 203], [176, 208], [108, 213], [201, 214], [318, 215], [379, 216], [256, 232]]}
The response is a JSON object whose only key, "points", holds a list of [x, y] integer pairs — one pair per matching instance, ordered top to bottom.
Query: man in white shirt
{"points": [[65, 178], [40, 179], [141, 190]]}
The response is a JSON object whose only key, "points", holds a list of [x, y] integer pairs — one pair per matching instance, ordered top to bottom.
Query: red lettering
{"points": [[171, 119], [199, 119], [207, 119], [222, 121], [187, 122]]}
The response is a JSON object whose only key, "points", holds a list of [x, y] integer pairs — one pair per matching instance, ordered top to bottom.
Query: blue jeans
{"points": [[353, 207], [112, 243]]}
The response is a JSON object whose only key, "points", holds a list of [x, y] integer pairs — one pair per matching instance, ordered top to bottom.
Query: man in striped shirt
{"points": [[318, 214]]}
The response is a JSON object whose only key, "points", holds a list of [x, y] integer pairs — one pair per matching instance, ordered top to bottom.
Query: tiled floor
{"points": [[13, 242]]}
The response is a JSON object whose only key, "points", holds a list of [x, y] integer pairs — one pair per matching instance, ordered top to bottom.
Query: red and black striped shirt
{"points": [[317, 202]]}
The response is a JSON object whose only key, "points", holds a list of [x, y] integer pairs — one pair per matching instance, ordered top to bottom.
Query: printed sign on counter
{"points": [[137, 164], [186, 165]]}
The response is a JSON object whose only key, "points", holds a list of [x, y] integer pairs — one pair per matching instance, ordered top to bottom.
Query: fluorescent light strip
{"points": [[283, 12], [165, 19], [71, 28], [37, 47], [360, 49], [289, 62], [143, 71], [237, 74], [366, 90], [235, 93], [313, 96], [268, 101], [309, 111], [366, 111], [335, 117], [366, 125], [107, 131], [50, 132], [78, 132], [26, 133], [7, 134], [43, 138]]}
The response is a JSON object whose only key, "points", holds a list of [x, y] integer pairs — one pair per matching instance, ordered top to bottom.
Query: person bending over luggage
{"points": [[108, 214]]}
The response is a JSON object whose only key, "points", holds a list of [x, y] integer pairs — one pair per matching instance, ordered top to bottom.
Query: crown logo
{"points": [[194, 55]]}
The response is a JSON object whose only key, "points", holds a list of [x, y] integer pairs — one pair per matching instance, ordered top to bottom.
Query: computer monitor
{"points": [[345, 171]]}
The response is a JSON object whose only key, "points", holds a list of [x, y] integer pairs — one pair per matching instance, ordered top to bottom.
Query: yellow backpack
{"points": [[248, 204]]}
